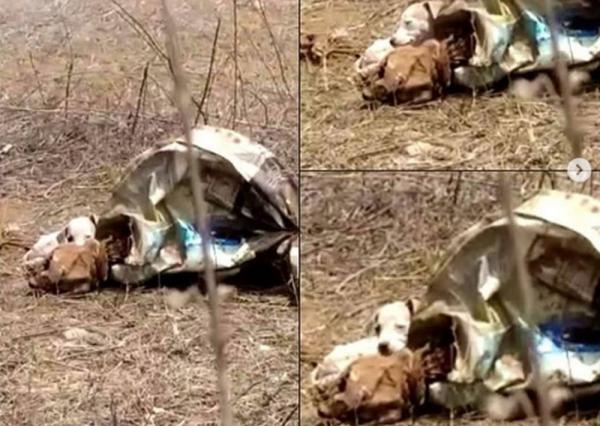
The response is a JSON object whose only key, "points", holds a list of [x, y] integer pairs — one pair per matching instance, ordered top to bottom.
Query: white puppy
{"points": [[415, 22], [78, 231], [390, 324], [340, 358]]}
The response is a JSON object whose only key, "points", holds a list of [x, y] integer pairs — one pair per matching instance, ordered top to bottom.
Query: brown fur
{"points": [[416, 73], [74, 268], [382, 388]]}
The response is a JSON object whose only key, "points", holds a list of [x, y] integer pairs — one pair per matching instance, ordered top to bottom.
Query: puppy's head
{"points": [[414, 25], [80, 229], [391, 323]]}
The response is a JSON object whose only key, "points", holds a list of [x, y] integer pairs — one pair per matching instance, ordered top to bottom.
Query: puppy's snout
{"points": [[401, 38], [384, 348]]}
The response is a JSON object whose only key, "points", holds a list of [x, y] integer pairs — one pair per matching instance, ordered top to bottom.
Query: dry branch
{"points": [[235, 63], [206, 90], [140, 98], [183, 100], [574, 135], [527, 301]]}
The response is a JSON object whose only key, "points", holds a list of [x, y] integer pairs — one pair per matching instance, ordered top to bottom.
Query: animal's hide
{"points": [[411, 73], [72, 268], [382, 388]]}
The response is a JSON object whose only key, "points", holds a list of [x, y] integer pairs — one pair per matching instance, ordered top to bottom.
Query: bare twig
{"points": [[139, 29], [147, 37], [278, 54], [235, 63], [37, 79], [68, 87], [206, 90], [140, 99], [183, 100], [244, 104], [573, 134], [457, 188], [527, 300], [289, 416]]}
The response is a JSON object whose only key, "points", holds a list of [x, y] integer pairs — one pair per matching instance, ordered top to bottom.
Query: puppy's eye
{"points": [[70, 238], [400, 327], [377, 329]]}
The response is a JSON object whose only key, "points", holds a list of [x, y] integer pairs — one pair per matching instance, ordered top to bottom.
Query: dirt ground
{"points": [[75, 108], [491, 130], [372, 238]]}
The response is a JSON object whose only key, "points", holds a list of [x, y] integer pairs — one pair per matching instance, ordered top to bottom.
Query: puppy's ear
{"points": [[94, 219], [413, 305]]}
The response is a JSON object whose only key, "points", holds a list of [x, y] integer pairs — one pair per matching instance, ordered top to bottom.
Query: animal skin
{"points": [[373, 59], [415, 73], [74, 268], [341, 357], [383, 388]]}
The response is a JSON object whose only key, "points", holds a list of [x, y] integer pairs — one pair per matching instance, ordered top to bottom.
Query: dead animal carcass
{"points": [[148, 225]]}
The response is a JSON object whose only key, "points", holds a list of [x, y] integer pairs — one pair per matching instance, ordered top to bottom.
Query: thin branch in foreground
{"points": [[278, 54], [235, 62], [37, 79], [68, 86], [183, 101], [574, 135], [527, 297]]}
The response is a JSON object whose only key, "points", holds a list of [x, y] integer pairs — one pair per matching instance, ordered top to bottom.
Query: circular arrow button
{"points": [[579, 170]]}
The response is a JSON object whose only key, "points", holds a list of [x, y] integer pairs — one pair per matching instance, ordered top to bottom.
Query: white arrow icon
{"points": [[579, 170]]}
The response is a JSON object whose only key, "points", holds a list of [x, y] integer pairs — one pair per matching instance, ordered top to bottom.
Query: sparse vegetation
{"points": [[84, 90]]}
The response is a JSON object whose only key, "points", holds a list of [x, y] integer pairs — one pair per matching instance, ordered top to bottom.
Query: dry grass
{"points": [[491, 130], [371, 238], [149, 364]]}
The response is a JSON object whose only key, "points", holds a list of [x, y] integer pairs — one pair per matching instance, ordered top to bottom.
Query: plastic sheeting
{"points": [[512, 37], [252, 207], [474, 302]]}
